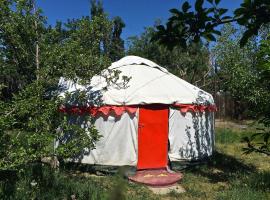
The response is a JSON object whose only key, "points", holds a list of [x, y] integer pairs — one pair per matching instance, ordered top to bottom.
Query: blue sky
{"points": [[136, 14]]}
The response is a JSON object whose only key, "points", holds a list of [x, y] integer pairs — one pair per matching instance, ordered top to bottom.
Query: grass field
{"points": [[229, 174]]}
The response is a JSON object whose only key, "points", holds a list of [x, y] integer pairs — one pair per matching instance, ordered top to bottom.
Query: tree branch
{"points": [[228, 21], [259, 150]]}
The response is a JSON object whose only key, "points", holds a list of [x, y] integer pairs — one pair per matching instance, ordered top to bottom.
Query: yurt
{"points": [[145, 117]]}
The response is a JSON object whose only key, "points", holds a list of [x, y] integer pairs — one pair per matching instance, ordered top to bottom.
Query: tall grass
{"points": [[51, 184]]}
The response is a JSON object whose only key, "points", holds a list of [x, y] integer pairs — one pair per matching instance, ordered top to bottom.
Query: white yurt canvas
{"points": [[146, 116]]}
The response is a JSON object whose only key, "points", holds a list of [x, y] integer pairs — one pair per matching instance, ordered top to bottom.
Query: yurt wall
{"points": [[191, 135]]}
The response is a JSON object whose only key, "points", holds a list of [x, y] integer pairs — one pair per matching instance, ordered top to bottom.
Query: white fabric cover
{"points": [[149, 84], [191, 135], [118, 144]]}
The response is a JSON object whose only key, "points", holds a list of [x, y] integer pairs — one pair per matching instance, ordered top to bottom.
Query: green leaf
{"points": [[210, 1], [217, 2], [247, 2], [198, 5], [186, 6], [210, 10], [174, 11], [222, 11], [239, 11], [226, 18], [242, 21], [160, 28], [216, 32], [246, 35], [210, 37], [196, 39], [266, 137], [245, 139]]}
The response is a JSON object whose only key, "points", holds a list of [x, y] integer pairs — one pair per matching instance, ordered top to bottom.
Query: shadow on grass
{"points": [[229, 164], [219, 168], [99, 170], [242, 181]]}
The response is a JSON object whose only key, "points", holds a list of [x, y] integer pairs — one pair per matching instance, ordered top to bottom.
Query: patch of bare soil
{"points": [[167, 189]]}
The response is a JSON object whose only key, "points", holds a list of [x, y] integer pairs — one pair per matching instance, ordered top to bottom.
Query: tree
{"points": [[96, 8], [186, 26], [18, 40], [113, 44], [116, 48], [236, 72], [241, 73], [29, 119], [260, 142]]}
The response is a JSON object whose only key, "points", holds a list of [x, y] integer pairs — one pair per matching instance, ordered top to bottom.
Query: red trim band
{"points": [[195, 108], [105, 110]]}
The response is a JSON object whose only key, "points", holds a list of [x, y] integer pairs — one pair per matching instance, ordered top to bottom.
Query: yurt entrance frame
{"points": [[153, 136]]}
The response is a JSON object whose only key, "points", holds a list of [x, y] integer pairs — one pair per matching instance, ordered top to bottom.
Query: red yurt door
{"points": [[153, 137]]}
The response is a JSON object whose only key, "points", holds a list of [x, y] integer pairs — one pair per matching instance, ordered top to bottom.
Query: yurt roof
{"points": [[149, 83]]}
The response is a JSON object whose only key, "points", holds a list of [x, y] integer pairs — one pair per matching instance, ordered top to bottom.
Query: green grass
{"points": [[229, 136], [228, 174], [63, 184]]}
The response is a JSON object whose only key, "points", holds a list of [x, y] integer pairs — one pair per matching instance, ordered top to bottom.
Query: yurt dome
{"points": [[149, 83], [146, 116]]}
